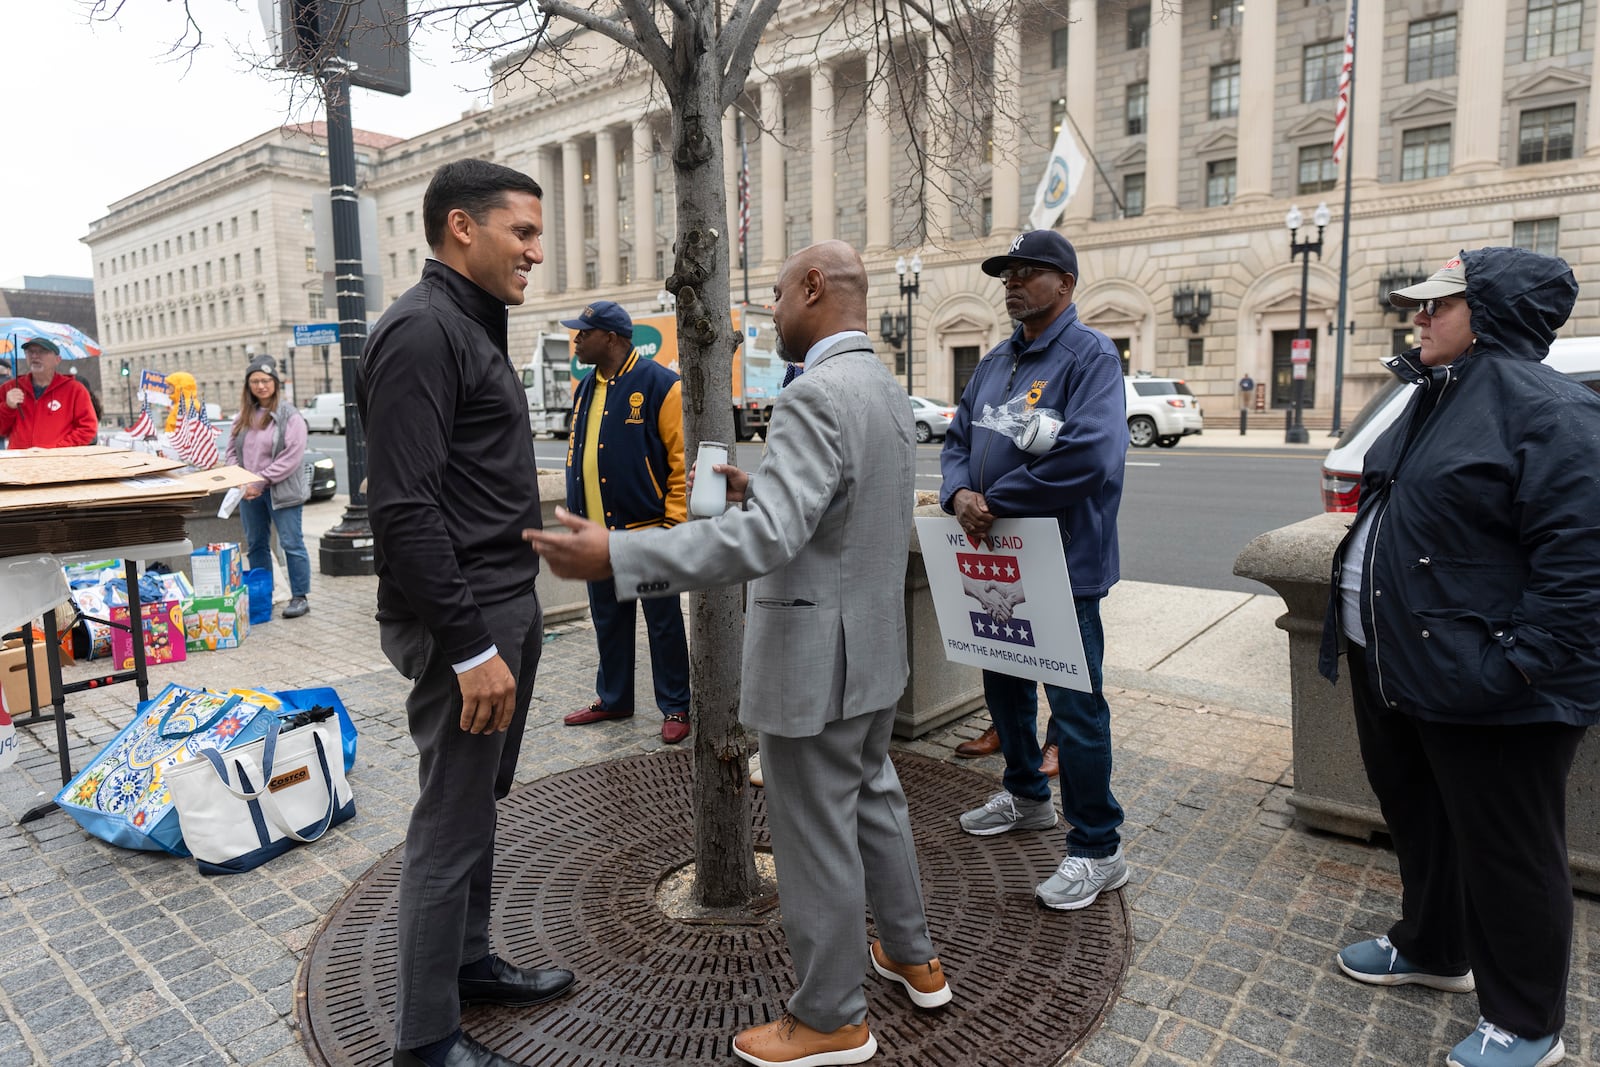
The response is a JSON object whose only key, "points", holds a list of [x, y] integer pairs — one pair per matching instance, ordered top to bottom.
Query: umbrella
{"points": [[73, 342]]}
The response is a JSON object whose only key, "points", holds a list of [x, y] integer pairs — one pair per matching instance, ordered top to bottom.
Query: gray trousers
{"points": [[841, 839], [449, 859]]}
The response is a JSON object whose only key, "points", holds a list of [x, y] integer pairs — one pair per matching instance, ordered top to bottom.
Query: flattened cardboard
{"points": [[87, 463], [165, 485]]}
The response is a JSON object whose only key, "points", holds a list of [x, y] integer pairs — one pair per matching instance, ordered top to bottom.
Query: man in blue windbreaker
{"points": [[1051, 363]]}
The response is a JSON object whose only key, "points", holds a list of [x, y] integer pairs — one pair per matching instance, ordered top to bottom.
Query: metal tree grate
{"points": [[581, 855]]}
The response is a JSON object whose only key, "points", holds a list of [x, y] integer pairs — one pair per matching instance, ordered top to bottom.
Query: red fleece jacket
{"points": [[63, 416]]}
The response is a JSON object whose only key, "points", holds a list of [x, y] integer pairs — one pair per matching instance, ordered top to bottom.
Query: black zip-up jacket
{"points": [[451, 477], [1480, 591]]}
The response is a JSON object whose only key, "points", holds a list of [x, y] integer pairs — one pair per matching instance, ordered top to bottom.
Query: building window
{"points": [[1226, 13], [1139, 26], [1553, 27], [1058, 48], [1431, 49], [1320, 70], [1224, 90], [1137, 107], [1058, 115], [1545, 134], [1425, 153], [1317, 172], [1220, 176], [1133, 195], [987, 212], [305, 218], [255, 221], [588, 221], [389, 222], [411, 222], [233, 226], [1536, 235], [257, 258], [311, 258], [411, 261], [661, 264], [238, 265], [394, 265], [591, 274], [208, 279], [316, 305], [261, 307], [1197, 351]]}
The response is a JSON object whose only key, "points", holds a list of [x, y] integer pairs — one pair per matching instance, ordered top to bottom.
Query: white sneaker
{"points": [[1079, 880]]}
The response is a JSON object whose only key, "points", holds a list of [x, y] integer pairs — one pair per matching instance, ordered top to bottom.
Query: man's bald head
{"points": [[821, 290]]}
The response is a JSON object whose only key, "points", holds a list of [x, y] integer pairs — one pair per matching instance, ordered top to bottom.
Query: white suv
{"points": [[1160, 411]]}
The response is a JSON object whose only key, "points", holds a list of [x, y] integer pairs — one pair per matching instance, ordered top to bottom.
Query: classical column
{"points": [[1258, 56], [1481, 70], [1081, 85], [1366, 115], [1593, 137], [1161, 143], [880, 145], [822, 163], [1005, 173], [937, 181], [644, 200], [607, 208], [572, 213], [774, 239], [550, 272]]}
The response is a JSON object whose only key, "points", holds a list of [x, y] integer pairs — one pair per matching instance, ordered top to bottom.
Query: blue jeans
{"points": [[259, 517], [1082, 722]]}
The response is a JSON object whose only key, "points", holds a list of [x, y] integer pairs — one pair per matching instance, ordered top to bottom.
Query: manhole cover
{"points": [[580, 857]]}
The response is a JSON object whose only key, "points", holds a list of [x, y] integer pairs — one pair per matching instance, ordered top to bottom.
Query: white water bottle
{"points": [[710, 496]]}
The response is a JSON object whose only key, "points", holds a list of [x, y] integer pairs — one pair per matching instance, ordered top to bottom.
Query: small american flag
{"points": [[1341, 115], [744, 200], [144, 426], [194, 439]]}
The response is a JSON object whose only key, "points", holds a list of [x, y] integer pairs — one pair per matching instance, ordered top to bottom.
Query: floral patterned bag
{"points": [[120, 795]]}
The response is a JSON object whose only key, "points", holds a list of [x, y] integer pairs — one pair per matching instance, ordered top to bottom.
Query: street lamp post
{"points": [[909, 290], [1300, 356]]}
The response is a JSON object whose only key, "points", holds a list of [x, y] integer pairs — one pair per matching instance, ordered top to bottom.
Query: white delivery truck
{"points": [[547, 379]]}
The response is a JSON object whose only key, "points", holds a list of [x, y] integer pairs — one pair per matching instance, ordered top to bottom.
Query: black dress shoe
{"points": [[514, 986], [464, 1053]]}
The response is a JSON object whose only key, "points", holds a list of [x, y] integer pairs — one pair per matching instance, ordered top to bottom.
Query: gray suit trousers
{"points": [[841, 838], [449, 860]]}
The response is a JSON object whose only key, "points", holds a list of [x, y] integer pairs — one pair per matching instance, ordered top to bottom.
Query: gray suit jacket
{"points": [[824, 534]]}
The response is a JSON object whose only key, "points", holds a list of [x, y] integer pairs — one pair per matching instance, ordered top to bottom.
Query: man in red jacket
{"points": [[44, 409]]}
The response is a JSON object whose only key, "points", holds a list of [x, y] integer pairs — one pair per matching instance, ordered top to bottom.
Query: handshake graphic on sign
{"points": [[998, 598]]}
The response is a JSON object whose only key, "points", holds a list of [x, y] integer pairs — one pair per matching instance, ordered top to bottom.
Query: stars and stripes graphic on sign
{"points": [[1341, 114], [744, 200], [144, 426], [991, 568], [1012, 631]]}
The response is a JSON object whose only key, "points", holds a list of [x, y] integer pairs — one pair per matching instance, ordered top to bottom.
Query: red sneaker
{"points": [[595, 712]]}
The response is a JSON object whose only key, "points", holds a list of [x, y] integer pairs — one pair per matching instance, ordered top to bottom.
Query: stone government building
{"points": [[1473, 124]]}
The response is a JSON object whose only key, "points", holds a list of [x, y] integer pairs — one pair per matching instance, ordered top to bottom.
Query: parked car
{"points": [[1160, 411], [325, 413], [932, 418], [1341, 470], [321, 473]]}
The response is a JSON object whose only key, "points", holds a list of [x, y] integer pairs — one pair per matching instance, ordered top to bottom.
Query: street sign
{"points": [[316, 333], [1300, 356]]}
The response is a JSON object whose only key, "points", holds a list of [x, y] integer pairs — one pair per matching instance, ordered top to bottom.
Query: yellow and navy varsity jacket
{"points": [[642, 469]]}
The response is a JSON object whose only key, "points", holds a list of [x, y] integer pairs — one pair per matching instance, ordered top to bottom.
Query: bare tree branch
{"points": [[605, 25], [739, 45], [652, 46]]}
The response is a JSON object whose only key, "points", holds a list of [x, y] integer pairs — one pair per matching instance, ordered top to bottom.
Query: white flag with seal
{"points": [[1062, 176]]}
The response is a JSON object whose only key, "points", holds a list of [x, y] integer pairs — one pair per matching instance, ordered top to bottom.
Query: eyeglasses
{"points": [[1022, 274], [1431, 307]]}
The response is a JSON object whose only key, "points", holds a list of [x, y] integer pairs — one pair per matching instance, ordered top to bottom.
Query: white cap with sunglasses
{"points": [[1448, 280]]}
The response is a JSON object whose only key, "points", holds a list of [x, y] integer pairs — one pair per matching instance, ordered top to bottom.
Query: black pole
{"points": [[1344, 251], [911, 347], [327, 380], [127, 381], [1297, 430], [347, 548]]}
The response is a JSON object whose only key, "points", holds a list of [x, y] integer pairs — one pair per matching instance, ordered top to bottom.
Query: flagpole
{"points": [[1084, 145], [1344, 243]]}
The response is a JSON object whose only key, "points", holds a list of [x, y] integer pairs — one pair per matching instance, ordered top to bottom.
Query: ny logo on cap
{"points": [[1018, 242]]}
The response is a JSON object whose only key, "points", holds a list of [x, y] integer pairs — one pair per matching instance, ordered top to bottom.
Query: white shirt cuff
{"points": [[481, 658]]}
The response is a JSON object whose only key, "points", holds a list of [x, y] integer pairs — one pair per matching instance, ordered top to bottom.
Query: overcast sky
{"points": [[96, 112]]}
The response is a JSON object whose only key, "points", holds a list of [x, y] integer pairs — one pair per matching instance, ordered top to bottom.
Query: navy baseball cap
{"points": [[1036, 248], [604, 315]]}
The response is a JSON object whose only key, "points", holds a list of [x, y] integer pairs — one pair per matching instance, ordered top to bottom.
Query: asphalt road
{"points": [[1185, 515]]}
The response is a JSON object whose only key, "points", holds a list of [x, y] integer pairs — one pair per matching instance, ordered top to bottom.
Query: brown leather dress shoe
{"points": [[595, 712], [675, 727], [985, 744], [1050, 764], [924, 982], [791, 1043]]}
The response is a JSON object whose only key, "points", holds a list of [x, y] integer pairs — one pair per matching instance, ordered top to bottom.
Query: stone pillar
{"points": [[1258, 56], [1480, 70], [1082, 84], [1366, 117], [1593, 136], [880, 145], [1162, 145], [1005, 169], [936, 177], [644, 200], [607, 208], [572, 213], [823, 226], [774, 239], [554, 256]]}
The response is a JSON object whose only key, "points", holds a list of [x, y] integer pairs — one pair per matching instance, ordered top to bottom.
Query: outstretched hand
{"points": [[583, 554]]}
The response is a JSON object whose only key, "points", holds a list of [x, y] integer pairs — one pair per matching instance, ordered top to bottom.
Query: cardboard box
{"points": [[217, 569], [213, 622], [163, 635], [14, 675]]}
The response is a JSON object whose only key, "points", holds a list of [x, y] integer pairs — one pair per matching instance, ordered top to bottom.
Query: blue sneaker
{"points": [[1377, 962], [1490, 1046]]}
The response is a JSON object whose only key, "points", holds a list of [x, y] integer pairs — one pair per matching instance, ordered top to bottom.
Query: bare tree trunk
{"points": [[725, 873]]}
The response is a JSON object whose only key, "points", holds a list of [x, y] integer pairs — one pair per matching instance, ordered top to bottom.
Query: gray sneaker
{"points": [[1003, 812], [1078, 881]]}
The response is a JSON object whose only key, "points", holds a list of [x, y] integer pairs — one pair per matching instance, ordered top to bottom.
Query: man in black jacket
{"points": [[452, 483], [1466, 596]]}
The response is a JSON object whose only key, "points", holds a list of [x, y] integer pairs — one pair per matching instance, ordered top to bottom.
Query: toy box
{"points": [[217, 569], [213, 622], [163, 634], [14, 675]]}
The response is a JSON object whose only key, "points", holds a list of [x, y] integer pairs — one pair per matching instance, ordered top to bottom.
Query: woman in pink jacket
{"points": [[269, 438]]}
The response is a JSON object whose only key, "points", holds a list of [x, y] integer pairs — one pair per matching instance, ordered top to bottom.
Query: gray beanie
{"points": [[264, 364]]}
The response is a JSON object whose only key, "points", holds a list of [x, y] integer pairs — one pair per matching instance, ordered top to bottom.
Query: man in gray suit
{"points": [[822, 528]]}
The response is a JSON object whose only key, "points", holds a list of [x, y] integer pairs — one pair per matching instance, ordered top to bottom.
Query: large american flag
{"points": [[1341, 116], [744, 200]]}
